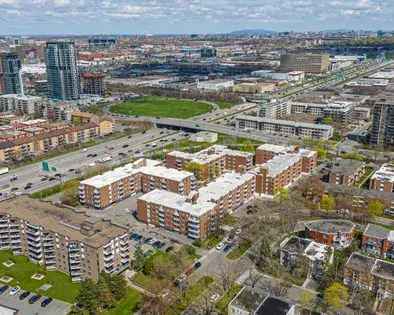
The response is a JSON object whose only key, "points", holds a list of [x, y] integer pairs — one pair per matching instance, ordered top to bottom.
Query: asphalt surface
{"points": [[33, 173], [24, 308]]}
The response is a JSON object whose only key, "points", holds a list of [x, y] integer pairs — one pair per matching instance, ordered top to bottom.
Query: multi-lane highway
{"points": [[70, 165]]}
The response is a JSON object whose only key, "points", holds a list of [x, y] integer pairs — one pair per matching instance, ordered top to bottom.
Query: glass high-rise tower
{"points": [[10, 66], [62, 70]]}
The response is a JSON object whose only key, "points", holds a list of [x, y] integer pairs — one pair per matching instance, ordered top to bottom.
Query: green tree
{"points": [[327, 120], [321, 153], [194, 168], [282, 195], [70, 197], [327, 202], [375, 208], [139, 259], [118, 286], [104, 294], [336, 296], [87, 298], [306, 300]]}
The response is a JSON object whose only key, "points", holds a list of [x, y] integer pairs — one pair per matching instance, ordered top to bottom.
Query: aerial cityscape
{"points": [[194, 157]]}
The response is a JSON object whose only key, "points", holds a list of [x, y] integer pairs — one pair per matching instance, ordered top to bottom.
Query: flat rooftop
{"points": [[289, 123], [278, 149], [280, 163], [346, 167], [385, 173], [223, 185], [178, 202], [61, 220], [330, 226], [377, 231], [360, 262], [383, 269], [249, 299], [273, 306]]}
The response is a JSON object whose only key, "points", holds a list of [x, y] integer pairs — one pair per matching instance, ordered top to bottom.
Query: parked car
{"points": [[135, 237], [158, 244], [220, 246], [169, 248], [227, 248], [197, 265], [3, 289], [15, 290], [24, 295], [34, 299], [46, 302]]}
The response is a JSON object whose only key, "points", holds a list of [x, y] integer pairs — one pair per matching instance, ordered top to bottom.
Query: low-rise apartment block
{"points": [[20, 104], [284, 127], [40, 141], [212, 162], [278, 167], [346, 172], [140, 176], [383, 179], [199, 213], [335, 233], [58, 238], [378, 241], [371, 274]]}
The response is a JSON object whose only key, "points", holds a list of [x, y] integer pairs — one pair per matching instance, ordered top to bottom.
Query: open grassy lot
{"points": [[156, 106], [239, 250], [62, 287], [223, 303], [127, 305]]}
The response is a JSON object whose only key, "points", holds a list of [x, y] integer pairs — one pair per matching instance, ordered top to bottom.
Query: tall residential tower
{"points": [[10, 66], [62, 70], [382, 131]]}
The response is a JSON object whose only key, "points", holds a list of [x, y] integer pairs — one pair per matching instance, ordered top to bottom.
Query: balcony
{"points": [[33, 232], [108, 258]]}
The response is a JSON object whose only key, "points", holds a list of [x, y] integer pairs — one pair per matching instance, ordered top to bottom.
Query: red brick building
{"points": [[378, 241]]}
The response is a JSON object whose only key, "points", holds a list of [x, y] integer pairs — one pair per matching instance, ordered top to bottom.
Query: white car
{"points": [[238, 231], [220, 246], [14, 290]]}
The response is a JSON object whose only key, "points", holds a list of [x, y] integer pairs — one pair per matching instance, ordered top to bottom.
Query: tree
{"points": [[327, 120], [321, 153], [194, 168], [283, 195], [70, 197], [327, 202], [375, 208], [139, 259], [118, 286], [104, 294], [336, 296], [87, 298], [306, 300], [362, 300]]}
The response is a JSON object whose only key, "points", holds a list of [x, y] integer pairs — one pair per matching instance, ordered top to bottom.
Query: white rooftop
{"points": [[383, 75], [275, 148], [279, 163], [168, 173], [385, 173], [223, 185], [178, 202]]}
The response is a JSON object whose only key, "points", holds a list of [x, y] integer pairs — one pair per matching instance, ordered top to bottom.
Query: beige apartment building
{"points": [[308, 63], [42, 143], [212, 161], [142, 175], [201, 212], [58, 238]]}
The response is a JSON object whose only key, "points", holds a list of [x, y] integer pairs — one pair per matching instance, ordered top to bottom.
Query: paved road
{"points": [[79, 160]]}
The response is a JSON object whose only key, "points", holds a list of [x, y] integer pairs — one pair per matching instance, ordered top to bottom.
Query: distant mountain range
{"points": [[251, 32]]}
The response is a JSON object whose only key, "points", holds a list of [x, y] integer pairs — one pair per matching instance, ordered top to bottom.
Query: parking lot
{"points": [[25, 308]]}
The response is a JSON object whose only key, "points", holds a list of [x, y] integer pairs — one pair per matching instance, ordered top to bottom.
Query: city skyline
{"points": [[189, 16]]}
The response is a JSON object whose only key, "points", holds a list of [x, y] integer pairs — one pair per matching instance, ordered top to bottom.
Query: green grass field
{"points": [[156, 106], [62, 287], [127, 305]]}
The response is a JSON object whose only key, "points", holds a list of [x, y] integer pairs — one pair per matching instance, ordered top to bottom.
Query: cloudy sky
{"points": [[190, 16]]}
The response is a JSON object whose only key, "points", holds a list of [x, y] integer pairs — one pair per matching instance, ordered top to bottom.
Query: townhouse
{"points": [[143, 175], [335, 233], [58, 238], [378, 241], [317, 255], [369, 273]]}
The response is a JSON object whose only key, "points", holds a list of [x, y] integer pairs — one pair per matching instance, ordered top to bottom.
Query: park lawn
{"points": [[156, 106], [238, 251], [62, 286], [222, 304], [127, 305]]}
